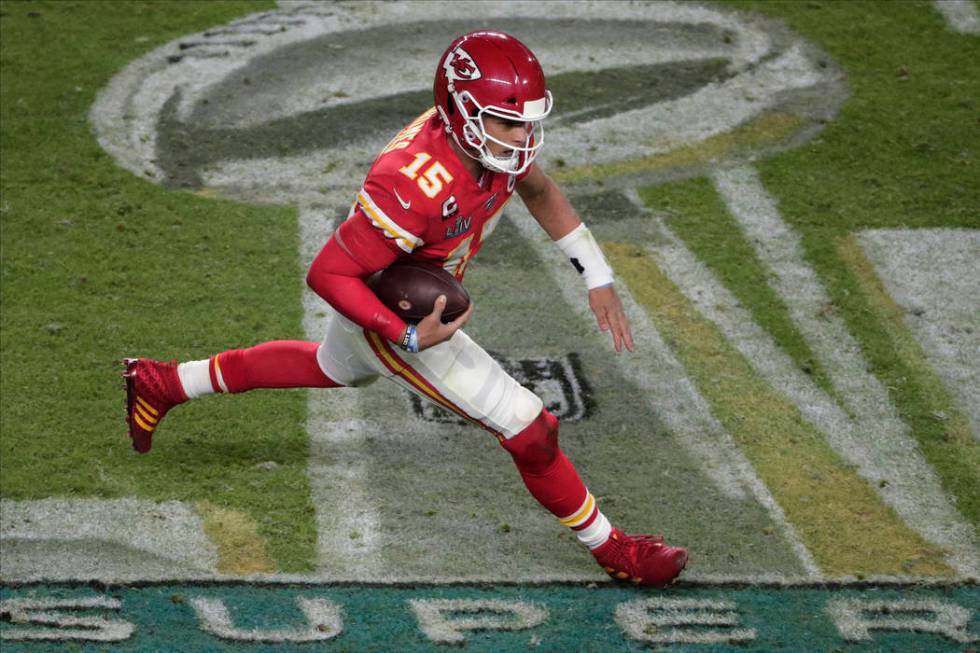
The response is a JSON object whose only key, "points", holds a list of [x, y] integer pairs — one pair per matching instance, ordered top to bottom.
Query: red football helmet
{"points": [[491, 73]]}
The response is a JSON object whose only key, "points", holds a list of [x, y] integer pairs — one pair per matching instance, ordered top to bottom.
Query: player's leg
{"points": [[275, 364], [460, 376], [154, 387], [553, 481]]}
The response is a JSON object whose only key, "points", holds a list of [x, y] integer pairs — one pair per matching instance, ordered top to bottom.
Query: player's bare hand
{"points": [[609, 314], [431, 331]]}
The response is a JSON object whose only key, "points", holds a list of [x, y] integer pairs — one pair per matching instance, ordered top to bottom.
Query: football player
{"points": [[436, 192]]}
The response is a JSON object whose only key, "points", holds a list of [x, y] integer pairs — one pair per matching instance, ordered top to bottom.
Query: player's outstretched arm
{"points": [[549, 206], [431, 330]]}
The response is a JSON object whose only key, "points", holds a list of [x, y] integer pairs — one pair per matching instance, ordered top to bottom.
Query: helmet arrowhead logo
{"points": [[459, 65]]}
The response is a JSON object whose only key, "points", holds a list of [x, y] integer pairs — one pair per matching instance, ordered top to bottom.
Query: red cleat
{"points": [[152, 388], [642, 559]]}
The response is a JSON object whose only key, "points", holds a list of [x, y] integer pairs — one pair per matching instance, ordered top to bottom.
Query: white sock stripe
{"points": [[195, 378], [597, 532]]}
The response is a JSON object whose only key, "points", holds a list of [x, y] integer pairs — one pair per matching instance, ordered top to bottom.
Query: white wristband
{"points": [[583, 251]]}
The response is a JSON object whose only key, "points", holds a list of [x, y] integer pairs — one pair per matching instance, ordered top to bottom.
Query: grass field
{"points": [[903, 154], [99, 264]]}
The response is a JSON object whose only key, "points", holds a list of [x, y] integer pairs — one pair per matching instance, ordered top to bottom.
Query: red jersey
{"points": [[421, 197], [418, 200]]}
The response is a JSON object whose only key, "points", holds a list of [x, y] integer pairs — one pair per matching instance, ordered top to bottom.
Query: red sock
{"points": [[276, 364], [548, 474], [553, 481], [558, 488]]}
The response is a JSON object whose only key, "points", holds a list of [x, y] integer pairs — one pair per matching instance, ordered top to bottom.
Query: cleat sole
{"points": [[129, 376]]}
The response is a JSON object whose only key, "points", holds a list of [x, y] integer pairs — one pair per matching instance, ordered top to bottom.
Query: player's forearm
{"points": [[549, 206], [552, 210], [339, 280], [350, 297]]}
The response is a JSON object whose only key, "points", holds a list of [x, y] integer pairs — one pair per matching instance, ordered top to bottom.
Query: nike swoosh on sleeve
{"points": [[405, 205]]}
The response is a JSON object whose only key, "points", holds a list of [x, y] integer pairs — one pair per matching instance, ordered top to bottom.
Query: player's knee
{"points": [[536, 446]]}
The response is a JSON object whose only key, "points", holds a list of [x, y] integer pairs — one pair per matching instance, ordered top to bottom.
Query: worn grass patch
{"points": [[761, 131], [98, 265], [840, 519], [241, 550]]}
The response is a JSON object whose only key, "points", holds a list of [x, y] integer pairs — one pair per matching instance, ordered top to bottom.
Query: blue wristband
{"points": [[410, 342]]}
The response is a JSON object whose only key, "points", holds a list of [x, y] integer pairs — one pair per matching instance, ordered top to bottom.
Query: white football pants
{"points": [[457, 375]]}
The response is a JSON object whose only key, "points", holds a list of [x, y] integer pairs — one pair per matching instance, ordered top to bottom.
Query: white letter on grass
{"points": [[322, 617], [856, 618], [435, 621], [682, 621], [66, 625]]}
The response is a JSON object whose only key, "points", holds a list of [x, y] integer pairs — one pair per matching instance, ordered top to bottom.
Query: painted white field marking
{"points": [[961, 15], [747, 45], [710, 111], [126, 112], [934, 276], [717, 304], [671, 393], [877, 441], [346, 515], [66, 539], [690, 578], [436, 617], [856, 618], [64, 621], [682, 621], [323, 622]]}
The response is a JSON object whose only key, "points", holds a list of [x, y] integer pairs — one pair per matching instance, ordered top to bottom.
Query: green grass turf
{"points": [[903, 153], [98, 265]]}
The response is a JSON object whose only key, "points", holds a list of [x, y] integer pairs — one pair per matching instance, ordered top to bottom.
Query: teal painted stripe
{"points": [[577, 617]]}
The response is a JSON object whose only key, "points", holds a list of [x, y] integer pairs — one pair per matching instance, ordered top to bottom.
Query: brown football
{"points": [[409, 287]]}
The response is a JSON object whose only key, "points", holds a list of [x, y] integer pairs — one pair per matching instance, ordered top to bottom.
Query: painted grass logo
{"points": [[286, 106], [290, 107]]}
